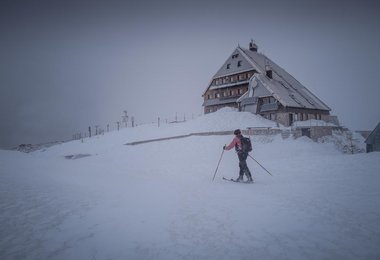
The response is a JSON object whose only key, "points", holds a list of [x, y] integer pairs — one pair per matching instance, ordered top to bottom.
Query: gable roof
{"points": [[236, 56], [283, 86]]}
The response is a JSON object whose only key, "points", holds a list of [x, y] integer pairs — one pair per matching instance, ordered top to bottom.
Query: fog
{"points": [[68, 65]]}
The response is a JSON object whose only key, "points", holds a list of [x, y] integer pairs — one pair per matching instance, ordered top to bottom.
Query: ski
{"points": [[246, 182]]}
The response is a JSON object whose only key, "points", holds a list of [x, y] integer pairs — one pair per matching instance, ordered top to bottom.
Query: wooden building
{"points": [[250, 81], [373, 140]]}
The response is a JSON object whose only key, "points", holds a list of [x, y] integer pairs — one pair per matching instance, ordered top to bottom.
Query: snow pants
{"points": [[243, 165]]}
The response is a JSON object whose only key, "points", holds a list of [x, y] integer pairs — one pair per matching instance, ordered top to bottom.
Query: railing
{"points": [[269, 107]]}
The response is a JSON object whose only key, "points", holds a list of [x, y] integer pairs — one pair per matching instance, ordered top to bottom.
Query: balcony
{"points": [[226, 85], [219, 101], [269, 107]]}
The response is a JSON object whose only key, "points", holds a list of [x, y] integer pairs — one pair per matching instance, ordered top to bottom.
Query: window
{"points": [[235, 55], [239, 63], [228, 66], [242, 77], [233, 78], [231, 92], [208, 96]]}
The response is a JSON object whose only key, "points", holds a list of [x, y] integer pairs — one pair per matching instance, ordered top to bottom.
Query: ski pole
{"points": [[218, 165], [260, 165]]}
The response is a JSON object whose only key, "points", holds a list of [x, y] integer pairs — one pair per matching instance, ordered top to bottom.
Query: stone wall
{"points": [[283, 118], [261, 131], [315, 131], [320, 131]]}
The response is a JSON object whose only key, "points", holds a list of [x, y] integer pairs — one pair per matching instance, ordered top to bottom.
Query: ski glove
{"points": [[224, 147]]}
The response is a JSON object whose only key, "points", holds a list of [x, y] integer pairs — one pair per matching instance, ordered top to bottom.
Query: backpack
{"points": [[246, 144]]}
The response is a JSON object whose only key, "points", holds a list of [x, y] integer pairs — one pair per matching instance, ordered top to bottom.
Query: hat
{"points": [[237, 132]]}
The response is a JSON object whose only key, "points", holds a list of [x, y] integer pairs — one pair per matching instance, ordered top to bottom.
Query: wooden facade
{"points": [[224, 91]]}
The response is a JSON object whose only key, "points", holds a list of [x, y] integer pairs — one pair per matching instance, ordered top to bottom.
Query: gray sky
{"points": [[67, 65]]}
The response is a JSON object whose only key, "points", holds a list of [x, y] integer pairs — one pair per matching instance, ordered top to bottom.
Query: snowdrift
{"points": [[107, 200]]}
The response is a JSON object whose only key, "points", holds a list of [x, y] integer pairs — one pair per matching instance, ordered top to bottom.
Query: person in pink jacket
{"points": [[242, 155]]}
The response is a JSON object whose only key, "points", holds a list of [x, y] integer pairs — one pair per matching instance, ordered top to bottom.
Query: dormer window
{"points": [[235, 55], [239, 63], [228, 66]]}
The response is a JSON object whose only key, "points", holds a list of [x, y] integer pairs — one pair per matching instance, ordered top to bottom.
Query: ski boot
{"points": [[240, 179], [249, 179]]}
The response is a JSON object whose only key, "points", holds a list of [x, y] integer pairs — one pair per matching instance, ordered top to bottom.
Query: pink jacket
{"points": [[235, 141]]}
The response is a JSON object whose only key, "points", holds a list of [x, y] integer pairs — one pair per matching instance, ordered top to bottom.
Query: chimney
{"points": [[253, 46], [268, 71]]}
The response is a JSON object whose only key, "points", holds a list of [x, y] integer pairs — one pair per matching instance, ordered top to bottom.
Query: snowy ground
{"points": [[157, 200]]}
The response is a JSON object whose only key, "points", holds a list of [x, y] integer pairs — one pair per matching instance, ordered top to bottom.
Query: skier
{"points": [[242, 154]]}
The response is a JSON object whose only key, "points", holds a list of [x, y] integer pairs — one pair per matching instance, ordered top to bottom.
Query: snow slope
{"points": [[157, 200]]}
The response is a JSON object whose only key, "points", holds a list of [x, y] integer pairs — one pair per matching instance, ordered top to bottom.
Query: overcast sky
{"points": [[67, 65]]}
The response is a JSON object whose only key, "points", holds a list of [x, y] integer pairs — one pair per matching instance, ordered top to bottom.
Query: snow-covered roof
{"points": [[284, 87], [287, 96]]}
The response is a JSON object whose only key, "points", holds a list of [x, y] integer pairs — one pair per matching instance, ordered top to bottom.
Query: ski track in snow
{"points": [[158, 201]]}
